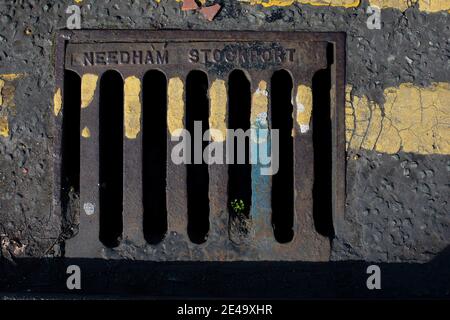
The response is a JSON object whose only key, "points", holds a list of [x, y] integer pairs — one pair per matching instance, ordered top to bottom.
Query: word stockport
{"points": [[242, 55]]}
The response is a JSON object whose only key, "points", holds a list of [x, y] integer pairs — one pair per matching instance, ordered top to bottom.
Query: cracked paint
{"points": [[202, 2], [284, 3], [424, 5], [11, 76], [88, 87], [7, 92], [57, 102], [260, 102], [175, 105], [132, 107], [304, 107], [217, 118], [413, 119], [4, 126]]}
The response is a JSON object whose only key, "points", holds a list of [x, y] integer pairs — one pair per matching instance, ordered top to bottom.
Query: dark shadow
{"points": [[197, 109], [322, 141], [154, 143], [70, 157], [111, 158], [283, 182], [30, 277]]}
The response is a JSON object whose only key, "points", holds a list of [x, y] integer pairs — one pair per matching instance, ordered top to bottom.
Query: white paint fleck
{"points": [[262, 91], [300, 107], [262, 118], [304, 128], [89, 208]]}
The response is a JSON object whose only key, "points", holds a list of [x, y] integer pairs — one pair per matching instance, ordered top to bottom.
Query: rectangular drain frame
{"points": [[307, 244]]}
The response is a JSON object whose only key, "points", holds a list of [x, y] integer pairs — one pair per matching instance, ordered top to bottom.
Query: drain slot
{"points": [[281, 112], [197, 113], [322, 141], [154, 145], [111, 158], [70, 164], [239, 173]]}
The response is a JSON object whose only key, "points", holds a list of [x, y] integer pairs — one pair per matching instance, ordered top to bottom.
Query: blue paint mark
{"points": [[261, 184]]}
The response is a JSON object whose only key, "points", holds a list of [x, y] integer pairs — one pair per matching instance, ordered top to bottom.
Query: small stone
{"points": [[189, 5], [210, 12], [413, 165], [406, 172]]}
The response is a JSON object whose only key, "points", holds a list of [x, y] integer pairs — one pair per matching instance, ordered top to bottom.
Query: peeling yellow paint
{"points": [[201, 1], [284, 3], [424, 5], [434, 5], [11, 76], [88, 87], [7, 93], [57, 102], [260, 102], [175, 105], [132, 107], [304, 107], [217, 118], [413, 119], [4, 126], [86, 133]]}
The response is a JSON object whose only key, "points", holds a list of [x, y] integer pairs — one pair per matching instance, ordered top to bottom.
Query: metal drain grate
{"points": [[128, 199]]}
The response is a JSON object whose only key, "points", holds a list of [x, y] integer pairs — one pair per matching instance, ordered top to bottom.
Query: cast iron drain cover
{"points": [[90, 54]]}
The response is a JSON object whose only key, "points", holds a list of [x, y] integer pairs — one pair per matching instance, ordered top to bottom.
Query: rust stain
{"points": [[132, 107]]}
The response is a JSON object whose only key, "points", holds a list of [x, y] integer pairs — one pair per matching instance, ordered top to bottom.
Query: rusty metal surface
{"points": [[259, 54]]}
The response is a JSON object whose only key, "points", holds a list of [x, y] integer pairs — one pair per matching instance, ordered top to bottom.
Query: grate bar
{"points": [[132, 159], [86, 243]]}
